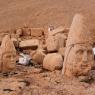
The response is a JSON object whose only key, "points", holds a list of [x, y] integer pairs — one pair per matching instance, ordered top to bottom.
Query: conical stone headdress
{"points": [[78, 33], [7, 45]]}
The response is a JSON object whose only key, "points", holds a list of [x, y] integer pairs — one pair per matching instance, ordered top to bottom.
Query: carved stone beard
{"points": [[8, 61], [79, 61]]}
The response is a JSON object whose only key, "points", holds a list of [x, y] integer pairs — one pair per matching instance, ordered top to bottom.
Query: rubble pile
{"points": [[38, 43]]}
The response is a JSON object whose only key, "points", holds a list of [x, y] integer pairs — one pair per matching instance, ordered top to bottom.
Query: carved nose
{"points": [[12, 58], [84, 59]]}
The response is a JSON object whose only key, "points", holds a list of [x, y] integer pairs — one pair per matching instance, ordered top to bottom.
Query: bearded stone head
{"points": [[7, 55], [79, 57], [79, 60]]}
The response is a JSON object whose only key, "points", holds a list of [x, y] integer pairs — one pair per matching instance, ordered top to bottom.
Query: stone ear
{"points": [[1, 61]]}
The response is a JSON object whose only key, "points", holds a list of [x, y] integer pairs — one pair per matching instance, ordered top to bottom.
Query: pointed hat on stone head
{"points": [[78, 34], [7, 45]]}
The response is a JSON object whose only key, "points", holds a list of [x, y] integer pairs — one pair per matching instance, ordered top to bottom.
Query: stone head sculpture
{"points": [[7, 55], [79, 57]]}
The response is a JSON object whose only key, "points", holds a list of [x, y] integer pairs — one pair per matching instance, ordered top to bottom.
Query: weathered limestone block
{"points": [[60, 29], [26, 31], [37, 32], [60, 40], [32, 43], [51, 44], [7, 55], [38, 56], [79, 58], [53, 61]]}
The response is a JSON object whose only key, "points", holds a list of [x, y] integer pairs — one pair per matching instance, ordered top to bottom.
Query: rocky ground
{"points": [[27, 80]]}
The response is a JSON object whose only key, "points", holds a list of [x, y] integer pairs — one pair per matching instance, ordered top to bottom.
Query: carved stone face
{"points": [[7, 55], [80, 59], [8, 60]]}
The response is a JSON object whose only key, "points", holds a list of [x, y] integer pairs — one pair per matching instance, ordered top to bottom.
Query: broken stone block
{"points": [[37, 32], [58, 37], [60, 40], [32, 43], [51, 44], [7, 55], [38, 56], [53, 61]]}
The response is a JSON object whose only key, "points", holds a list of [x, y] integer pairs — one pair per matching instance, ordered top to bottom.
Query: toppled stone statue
{"points": [[7, 55], [79, 58]]}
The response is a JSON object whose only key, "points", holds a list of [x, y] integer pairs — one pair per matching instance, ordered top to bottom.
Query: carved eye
{"points": [[89, 51], [79, 52], [8, 56]]}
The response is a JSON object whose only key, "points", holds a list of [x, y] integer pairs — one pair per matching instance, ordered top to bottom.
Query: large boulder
{"points": [[53, 61]]}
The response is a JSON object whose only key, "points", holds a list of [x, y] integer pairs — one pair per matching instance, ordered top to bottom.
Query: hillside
{"points": [[41, 13]]}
